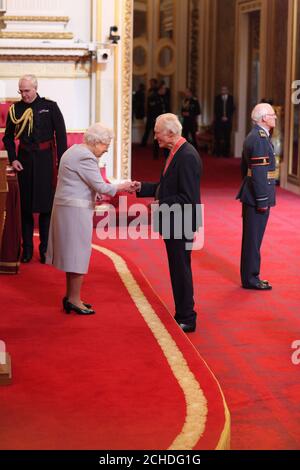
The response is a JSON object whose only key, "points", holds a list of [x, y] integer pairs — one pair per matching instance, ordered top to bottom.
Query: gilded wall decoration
{"points": [[250, 6], [58, 19], [34, 35], [127, 36], [194, 41], [45, 69]]}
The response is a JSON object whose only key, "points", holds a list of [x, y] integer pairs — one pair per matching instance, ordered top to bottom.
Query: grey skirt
{"points": [[70, 238]]}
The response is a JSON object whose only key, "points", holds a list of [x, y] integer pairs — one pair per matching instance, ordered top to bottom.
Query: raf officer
{"points": [[39, 125], [257, 193]]}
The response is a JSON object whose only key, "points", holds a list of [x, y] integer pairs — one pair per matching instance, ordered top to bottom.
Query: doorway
{"points": [[249, 67]]}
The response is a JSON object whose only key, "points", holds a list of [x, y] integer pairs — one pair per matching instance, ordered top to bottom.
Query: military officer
{"points": [[39, 125], [257, 193]]}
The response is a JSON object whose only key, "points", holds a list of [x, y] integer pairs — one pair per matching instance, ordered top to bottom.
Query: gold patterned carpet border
{"points": [[196, 403]]}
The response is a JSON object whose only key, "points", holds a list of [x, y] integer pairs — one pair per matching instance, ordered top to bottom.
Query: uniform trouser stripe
{"points": [[254, 225]]}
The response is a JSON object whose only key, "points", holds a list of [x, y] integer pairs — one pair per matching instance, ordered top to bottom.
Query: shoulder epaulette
{"points": [[47, 100], [262, 133]]}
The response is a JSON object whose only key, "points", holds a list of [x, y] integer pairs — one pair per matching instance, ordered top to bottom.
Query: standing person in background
{"points": [[167, 95], [139, 101], [157, 104], [163, 106], [190, 111], [223, 115], [39, 125], [257, 193], [70, 236]]}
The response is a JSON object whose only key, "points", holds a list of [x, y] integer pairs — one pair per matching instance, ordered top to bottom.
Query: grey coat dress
{"points": [[71, 226]]}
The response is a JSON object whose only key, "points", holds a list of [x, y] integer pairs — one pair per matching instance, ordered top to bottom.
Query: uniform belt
{"points": [[37, 146], [271, 175]]}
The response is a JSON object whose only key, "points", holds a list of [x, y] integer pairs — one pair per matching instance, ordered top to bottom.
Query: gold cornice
{"points": [[250, 6], [54, 19], [34, 35], [127, 36], [38, 48], [42, 58], [45, 69]]}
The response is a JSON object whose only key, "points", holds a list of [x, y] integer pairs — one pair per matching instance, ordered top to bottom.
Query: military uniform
{"points": [[41, 131], [257, 191]]}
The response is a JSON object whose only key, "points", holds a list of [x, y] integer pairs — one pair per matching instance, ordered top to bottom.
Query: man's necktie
{"points": [[224, 105]]}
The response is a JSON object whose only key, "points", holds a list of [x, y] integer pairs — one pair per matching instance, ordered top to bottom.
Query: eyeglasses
{"points": [[24, 91], [272, 115]]}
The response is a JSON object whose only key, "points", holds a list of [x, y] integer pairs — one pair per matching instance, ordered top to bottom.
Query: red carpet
{"points": [[245, 336], [125, 378]]}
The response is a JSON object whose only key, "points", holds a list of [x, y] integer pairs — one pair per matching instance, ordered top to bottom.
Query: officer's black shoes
{"points": [[26, 256], [26, 259], [264, 281], [260, 285], [187, 327]]}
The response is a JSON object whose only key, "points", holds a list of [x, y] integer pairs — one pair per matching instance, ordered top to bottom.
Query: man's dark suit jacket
{"points": [[218, 108], [179, 185]]}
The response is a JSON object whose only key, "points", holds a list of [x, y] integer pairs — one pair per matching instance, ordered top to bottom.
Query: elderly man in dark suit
{"points": [[178, 190]]}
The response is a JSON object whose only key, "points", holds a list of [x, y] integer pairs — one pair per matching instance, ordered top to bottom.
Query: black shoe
{"points": [[26, 256], [260, 285], [65, 300], [69, 307], [187, 327]]}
